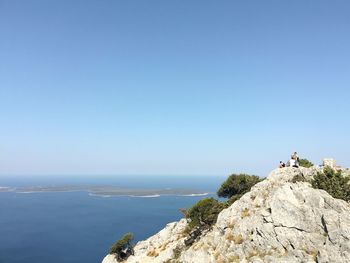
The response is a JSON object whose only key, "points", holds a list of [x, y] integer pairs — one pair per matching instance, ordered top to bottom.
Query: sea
{"points": [[76, 227]]}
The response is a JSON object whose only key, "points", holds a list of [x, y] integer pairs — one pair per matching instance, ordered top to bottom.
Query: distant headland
{"points": [[106, 190]]}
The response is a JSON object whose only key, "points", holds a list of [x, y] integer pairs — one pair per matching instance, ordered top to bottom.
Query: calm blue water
{"points": [[75, 227]]}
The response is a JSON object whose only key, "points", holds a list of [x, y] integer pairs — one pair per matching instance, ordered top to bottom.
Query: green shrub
{"points": [[305, 163], [299, 178], [333, 182], [236, 185], [204, 213], [122, 248]]}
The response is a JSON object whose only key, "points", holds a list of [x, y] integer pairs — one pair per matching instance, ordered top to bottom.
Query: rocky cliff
{"points": [[277, 221]]}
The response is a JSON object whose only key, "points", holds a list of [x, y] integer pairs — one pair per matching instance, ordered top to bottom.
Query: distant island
{"points": [[106, 191]]}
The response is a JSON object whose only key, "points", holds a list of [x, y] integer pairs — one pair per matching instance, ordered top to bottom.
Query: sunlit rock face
{"points": [[277, 221]]}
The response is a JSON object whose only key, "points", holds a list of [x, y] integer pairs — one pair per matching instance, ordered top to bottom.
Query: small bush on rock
{"points": [[305, 163], [299, 178], [333, 182], [237, 185], [204, 213], [123, 248]]}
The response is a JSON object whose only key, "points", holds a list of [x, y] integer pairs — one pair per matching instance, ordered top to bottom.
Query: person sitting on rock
{"points": [[282, 165]]}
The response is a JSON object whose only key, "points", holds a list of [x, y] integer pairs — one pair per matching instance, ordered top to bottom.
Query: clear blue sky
{"points": [[172, 87]]}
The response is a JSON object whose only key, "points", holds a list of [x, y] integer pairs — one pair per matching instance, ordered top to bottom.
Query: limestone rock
{"points": [[329, 162], [277, 221], [158, 248]]}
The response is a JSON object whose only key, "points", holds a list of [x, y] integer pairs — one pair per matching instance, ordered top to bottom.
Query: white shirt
{"points": [[292, 162]]}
